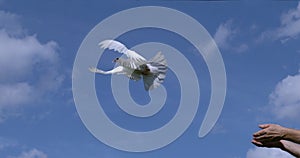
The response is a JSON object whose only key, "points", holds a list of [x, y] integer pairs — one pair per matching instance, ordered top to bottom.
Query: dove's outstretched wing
{"points": [[121, 48]]}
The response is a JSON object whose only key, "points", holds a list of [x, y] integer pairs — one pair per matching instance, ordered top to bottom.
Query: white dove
{"points": [[136, 66]]}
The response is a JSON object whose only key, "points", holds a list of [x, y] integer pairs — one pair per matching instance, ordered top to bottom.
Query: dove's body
{"points": [[136, 66]]}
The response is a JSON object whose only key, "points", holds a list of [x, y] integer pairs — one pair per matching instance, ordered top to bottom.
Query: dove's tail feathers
{"points": [[159, 58], [158, 67], [153, 81]]}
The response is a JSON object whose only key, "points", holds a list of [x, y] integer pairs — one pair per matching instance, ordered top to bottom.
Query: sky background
{"points": [[259, 43]]}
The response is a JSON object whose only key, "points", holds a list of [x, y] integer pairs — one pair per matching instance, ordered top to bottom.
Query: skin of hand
{"points": [[269, 133], [276, 136], [268, 144], [291, 147]]}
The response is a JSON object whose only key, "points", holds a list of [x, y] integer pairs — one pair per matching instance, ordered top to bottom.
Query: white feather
{"points": [[121, 48], [134, 67], [116, 70]]}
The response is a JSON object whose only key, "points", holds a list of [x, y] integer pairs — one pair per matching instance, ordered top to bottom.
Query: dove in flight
{"points": [[136, 66]]}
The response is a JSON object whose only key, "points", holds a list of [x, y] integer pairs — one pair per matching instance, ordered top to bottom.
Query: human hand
{"points": [[269, 133], [276, 136], [274, 144]]}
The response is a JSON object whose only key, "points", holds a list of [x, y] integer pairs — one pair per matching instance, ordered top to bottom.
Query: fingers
{"points": [[263, 126], [259, 133], [262, 133], [267, 136], [258, 137], [264, 138], [257, 143], [269, 144]]}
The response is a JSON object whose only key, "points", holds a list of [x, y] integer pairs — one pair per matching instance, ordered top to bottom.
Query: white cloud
{"points": [[10, 22], [290, 23], [289, 27], [225, 35], [241, 48], [19, 56], [29, 68], [15, 94], [285, 99], [6, 143], [9, 145], [259, 152], [34, 153]]}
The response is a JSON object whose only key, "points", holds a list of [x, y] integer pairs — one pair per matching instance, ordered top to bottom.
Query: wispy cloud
{"points": [[10, 22], [289, 27], [225, 35], [29, 68], [15, 94], [285, 99], [6, 143], [21, 150], [267, 152], [33, 153]]}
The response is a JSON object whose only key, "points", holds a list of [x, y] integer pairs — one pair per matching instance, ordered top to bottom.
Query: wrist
{"points": [[287, 133]]}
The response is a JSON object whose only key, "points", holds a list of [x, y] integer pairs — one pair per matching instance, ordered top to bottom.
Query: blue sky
{"points": [[259, 43]]}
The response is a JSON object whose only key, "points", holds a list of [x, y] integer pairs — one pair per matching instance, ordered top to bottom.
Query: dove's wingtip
{"points": [[104, 42]]}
